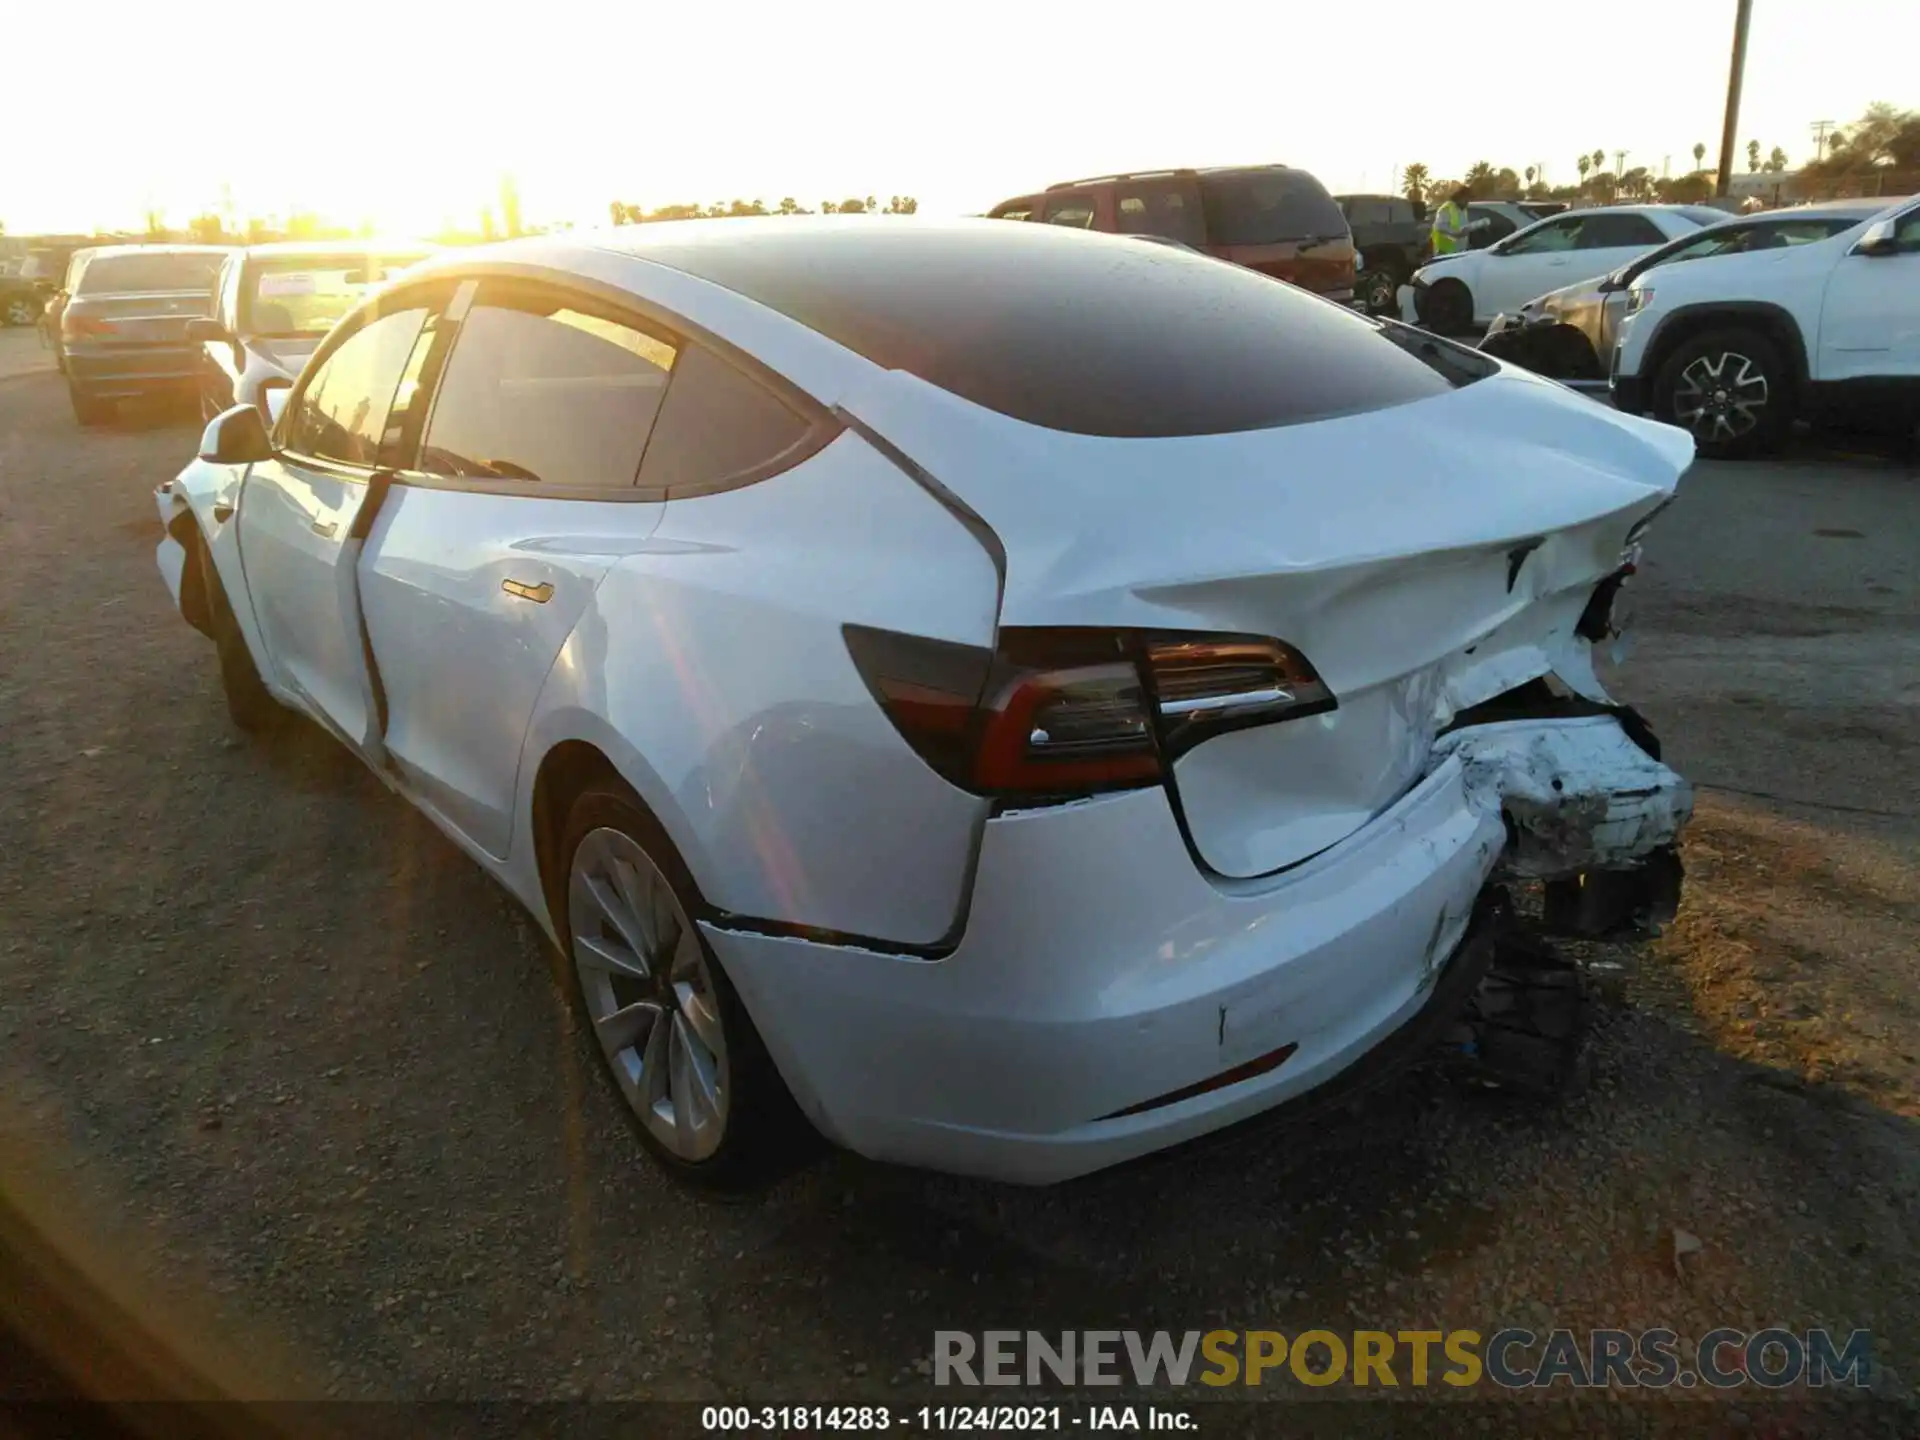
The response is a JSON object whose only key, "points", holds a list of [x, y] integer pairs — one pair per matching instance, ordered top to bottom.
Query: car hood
{"points": [[1441, 262], [1567, 297]]}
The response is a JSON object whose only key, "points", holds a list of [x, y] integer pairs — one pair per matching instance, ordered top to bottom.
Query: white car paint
{"points": [[1509, 273], [1857, 315], [941, 980]]}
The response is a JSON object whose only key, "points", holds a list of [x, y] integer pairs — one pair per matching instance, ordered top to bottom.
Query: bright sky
{"points": [[406, 113]]}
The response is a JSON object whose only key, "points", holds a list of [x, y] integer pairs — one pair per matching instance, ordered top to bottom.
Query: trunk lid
{"points": [[142, 318], [1424, 557]]}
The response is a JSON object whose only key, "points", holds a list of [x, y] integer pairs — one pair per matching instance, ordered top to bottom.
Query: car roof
{"points": [[1871, 205], [321, 248], [102, 251], [1063, 328]]}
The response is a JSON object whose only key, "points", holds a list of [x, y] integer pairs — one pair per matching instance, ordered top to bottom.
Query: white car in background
{"points": [[1454, 293], [275, 304], [1568, 334], [1734, 348], [1015, 697]]}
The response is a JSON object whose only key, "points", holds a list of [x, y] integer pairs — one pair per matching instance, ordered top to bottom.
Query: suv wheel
{"points": [[21, 311], [1730, 389]]}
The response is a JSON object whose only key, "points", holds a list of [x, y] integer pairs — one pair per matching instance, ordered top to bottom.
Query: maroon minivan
{"points": [[1271, 218]]}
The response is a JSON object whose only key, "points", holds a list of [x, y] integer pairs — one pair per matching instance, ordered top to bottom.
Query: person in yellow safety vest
{"points": [[1450, 224]]}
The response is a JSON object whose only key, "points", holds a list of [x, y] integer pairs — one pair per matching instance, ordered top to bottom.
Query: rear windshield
{"points": [[1266, 207], [129, 274], [306, 294], [1076, 331]]}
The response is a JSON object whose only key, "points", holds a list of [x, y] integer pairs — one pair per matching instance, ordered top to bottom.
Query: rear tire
{"points": [[1448, 308], [21, 311], [1731, 390], [89, 409], [250, 705], [690, 1070]]}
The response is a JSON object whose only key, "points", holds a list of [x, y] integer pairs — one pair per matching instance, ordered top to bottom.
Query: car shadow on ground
{"points": [[146, 414], [1391, 1214]]}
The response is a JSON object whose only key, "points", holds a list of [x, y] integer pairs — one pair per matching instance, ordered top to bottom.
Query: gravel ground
{"points": [[278, 1055]]}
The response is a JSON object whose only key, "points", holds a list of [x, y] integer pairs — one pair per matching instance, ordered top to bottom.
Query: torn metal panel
{"points": [[1577, 794]]}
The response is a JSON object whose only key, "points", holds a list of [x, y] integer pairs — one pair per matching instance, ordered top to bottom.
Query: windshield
{"points": [[1738, 239], [134, 274], [307, 294]]}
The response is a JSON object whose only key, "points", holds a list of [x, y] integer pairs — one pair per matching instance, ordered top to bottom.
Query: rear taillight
{"points": [[74, 324], [1058, 711]]}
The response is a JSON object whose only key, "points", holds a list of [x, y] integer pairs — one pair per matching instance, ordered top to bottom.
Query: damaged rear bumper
{"points": [[1577, 794], [1108, 998]]}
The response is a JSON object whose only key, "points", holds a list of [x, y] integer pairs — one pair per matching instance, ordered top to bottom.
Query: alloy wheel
{"points": [[1377, 289], [20, 312], [1721, 396], [649, 994]]}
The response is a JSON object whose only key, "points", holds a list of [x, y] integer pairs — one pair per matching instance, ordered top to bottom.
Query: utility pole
{"points": [[1743, 14], [1821, 129], [1619, 163]]}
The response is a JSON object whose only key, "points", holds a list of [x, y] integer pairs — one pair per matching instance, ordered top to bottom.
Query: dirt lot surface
{"points": [[290, 1067]]}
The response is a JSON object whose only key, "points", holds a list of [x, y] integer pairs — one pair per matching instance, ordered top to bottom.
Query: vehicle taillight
{"points": [[86, 324], [1064, 711]]}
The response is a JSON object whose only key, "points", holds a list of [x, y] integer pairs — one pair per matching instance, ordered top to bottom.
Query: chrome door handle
{"points": [[325, 529], [538, 594]]}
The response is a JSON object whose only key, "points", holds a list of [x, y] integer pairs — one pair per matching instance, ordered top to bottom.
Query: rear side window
{"points": [[1267, 207], [1162, 208], [1013, 210], [1074, 210], [1610, 232], [133, 274], [538, 391], [341, 414], [717, 425]]}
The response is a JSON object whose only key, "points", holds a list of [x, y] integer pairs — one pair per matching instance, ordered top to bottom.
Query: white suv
{"points": [[1735, 347]]}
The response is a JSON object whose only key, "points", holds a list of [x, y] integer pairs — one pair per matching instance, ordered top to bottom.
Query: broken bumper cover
{"points": [[1579, 794], [1109, 999]]}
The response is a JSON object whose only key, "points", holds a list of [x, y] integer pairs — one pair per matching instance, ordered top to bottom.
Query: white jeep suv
{"points": [[1735, 347]]}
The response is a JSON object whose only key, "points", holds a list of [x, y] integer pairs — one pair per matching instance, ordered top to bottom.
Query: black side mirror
{"points": [[1614, 283], [204, 330], [237, 437]]}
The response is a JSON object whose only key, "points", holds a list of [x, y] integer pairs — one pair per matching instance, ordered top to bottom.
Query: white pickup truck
{"points": [[1735, 347]]}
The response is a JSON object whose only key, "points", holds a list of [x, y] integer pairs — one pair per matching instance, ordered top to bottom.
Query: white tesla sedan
{"points": [[1013, 697]]}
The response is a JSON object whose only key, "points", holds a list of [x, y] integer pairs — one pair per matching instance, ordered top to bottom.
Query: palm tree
{"points": [[1753, 154], [1700, 155], [1599, 159], [1586, 164], [1480, 178], [1413, 181]]}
